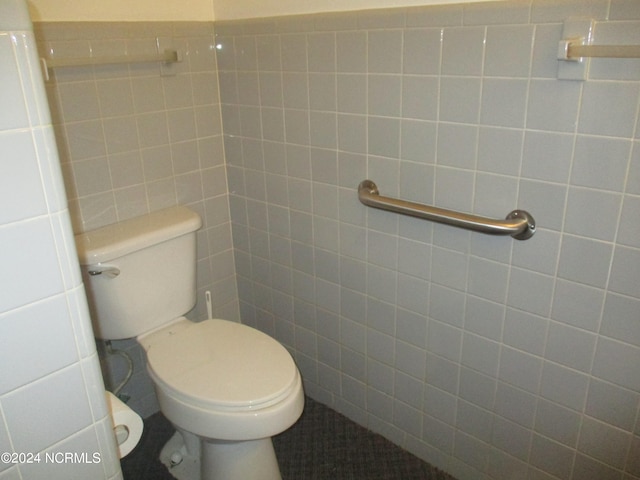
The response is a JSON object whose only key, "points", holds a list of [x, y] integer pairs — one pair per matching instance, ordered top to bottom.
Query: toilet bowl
{"points": [[226, 387], [256, 392]]}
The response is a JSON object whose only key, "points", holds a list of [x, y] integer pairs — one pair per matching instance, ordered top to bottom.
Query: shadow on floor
{"points": [[323, 444]]}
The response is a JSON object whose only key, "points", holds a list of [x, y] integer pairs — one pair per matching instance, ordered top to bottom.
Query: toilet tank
{"points": [[140, 273]]}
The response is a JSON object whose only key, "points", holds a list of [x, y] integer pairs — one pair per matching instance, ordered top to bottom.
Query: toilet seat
{"points": [[220, 365]]}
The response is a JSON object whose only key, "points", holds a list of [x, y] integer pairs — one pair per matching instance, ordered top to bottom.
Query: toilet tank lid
{"points": [[121, 238]]}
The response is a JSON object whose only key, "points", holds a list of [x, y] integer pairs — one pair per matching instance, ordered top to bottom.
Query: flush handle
{"points": [[110, 271]]}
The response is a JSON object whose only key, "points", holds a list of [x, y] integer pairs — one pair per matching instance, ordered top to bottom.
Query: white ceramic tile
{"points": [[31, 78], [14, 113], [49, 163], [20, 181], [28, 248], [40, 340], [94, 383], [45, 412], [85, 444], [5, 445], [107, 445], [11, 474]]}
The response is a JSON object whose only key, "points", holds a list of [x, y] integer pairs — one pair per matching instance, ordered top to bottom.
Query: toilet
{"points": [[226, 387]]}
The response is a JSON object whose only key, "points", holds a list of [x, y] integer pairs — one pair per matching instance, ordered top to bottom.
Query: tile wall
{"points": [[135, 138], [489, 357], [51, 391]]}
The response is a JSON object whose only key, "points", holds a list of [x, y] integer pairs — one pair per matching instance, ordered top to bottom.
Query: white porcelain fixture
{"points": [[227, 388]]}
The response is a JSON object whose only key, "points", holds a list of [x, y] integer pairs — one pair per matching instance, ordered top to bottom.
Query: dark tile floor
{"points": [[322, 445]]}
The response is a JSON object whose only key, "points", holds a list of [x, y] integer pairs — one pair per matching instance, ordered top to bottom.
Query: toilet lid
{"points": [[223, 364]]}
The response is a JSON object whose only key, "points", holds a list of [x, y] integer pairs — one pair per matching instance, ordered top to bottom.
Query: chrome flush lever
{"points": [[108, 270]]}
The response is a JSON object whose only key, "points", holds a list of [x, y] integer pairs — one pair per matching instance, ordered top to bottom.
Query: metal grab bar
{"points": [[575, 51], [168, 56], [519, 224]]}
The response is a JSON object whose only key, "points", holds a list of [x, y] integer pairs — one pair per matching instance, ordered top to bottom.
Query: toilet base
{"points": [[221, 460], [248, 460], [189, 466]]}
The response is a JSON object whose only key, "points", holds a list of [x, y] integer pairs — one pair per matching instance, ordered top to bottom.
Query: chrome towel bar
{"points": [[168, 56], [519, 224]]}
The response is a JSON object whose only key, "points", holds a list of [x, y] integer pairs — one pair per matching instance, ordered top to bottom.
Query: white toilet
{"points": [[226, 387]]}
